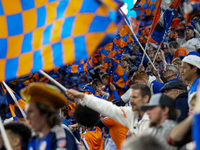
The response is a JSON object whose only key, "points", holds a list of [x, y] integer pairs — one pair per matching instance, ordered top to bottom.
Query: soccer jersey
{"points": [[192, 44], [180, 52], [193, 88], [196, 130], [117, 131], [58, 138], [92, 139]]}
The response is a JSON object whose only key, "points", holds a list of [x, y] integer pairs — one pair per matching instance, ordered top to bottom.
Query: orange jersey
{"points": [[180, 52], [117, 131], [93, 139]]}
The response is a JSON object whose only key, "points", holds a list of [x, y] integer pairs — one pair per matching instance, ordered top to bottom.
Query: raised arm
{"points": [[102, 106]]}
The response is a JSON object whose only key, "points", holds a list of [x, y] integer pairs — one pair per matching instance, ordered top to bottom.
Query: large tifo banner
{"points": [[44, 34]]}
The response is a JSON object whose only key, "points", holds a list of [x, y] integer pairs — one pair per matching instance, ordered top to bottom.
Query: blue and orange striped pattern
{"points": [[146, 8], [43, 34], [114, 49], [117, 75], [15, 112]]}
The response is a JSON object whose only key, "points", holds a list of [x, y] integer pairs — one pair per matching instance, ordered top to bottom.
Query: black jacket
{"points": [[182, 105]]}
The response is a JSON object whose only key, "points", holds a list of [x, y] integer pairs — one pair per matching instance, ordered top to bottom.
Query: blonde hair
{"points": [[177, 60], [193, 97]]}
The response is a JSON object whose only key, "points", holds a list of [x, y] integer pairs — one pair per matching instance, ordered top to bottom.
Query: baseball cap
{"points": [[189, 27], [181, 28], [192, 58], [178, 84], [89, 89], [159, 100]]}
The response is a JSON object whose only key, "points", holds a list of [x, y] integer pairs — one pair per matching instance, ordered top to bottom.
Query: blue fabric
{"points": [[168, 58], [146, 60], [175, 79], [157, 86], [193, 87], [89, 89], [116, 95], [65, 121], [196, 131], [50, 142]]}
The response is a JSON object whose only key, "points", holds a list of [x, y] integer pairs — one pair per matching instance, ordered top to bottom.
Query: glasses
{"points": [[165, 70]]}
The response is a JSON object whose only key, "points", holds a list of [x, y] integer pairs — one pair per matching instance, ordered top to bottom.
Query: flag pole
{"points": [[166, 34], [137, 40], [143, 55], [154, 59], [53, 80], [15, 99], [4, 136]]}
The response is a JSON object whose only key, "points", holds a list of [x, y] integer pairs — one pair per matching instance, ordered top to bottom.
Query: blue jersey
{"points": [[193, 88], [196, 130], [58, 138]]}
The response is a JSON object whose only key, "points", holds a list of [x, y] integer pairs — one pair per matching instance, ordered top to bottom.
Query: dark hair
{"points": [[174, 44], [198, 50], [198, 70], [104, 76], [95, 81], [144, 89], [65, 113], [172, 114], [52, 115], [86, 116], [19, 129]]}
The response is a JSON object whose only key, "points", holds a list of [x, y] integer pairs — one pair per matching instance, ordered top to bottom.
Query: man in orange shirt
{"points": [[175, 50], [117, 130], [91, 138]]}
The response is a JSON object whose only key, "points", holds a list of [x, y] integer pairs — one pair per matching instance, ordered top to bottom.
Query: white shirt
{"points": [[192, 44], [123, 115]]}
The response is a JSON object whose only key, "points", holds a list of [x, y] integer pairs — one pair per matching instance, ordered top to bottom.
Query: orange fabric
{"points": [[175, 22], [135, 24], [145, 35], [180, 52], [120, 93], [71, 108], [117, 131], [94, 139]]}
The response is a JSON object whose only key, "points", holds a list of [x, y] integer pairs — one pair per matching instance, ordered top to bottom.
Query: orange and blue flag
{"points": [[146, 8], [162, 22], [44, 34], [114, 49], [81, 66], [117, 75], [36, 77], [15, 111]]}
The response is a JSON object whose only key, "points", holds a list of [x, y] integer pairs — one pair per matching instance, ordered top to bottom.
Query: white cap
{"points": [[192, 58]]}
